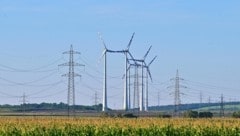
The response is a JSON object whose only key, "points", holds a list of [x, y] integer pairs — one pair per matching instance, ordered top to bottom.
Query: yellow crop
{"points": [[118, 126]]}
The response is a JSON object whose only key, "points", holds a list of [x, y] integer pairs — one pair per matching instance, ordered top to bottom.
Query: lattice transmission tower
{"points": [[71, 75], [177, 95], [24, 101], [222, 106]]}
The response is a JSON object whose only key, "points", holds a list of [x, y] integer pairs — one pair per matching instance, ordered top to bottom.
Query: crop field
{"points": [[62, 126]]}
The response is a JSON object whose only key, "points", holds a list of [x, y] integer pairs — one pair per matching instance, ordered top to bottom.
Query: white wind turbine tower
{"points": [[126, 53], [143, 65], [148, 73]]}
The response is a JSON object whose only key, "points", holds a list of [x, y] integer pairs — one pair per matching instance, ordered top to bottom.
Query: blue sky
{"points": [[200, 38]]}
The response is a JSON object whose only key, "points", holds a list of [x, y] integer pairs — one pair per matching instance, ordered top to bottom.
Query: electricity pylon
{"points": [[104, 54], [71, 75], [177, 95], [96, 98], [158, 99], [24, 101], [96, 101], [200, 101], [209, 103], [222, 107]]}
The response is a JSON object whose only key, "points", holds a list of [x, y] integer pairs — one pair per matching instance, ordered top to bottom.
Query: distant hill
{"points": [[46, 107], [229, 107]]}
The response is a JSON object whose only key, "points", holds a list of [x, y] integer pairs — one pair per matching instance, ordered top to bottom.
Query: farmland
{"points": [[118, 126]]}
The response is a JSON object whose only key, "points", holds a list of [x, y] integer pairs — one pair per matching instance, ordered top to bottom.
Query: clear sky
{"points": [[198, 37]]}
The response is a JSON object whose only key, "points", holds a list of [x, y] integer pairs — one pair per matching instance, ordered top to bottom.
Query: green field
{"points": [[62, 126]]}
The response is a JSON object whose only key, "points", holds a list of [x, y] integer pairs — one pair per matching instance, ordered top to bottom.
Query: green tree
{"points": [[190, 114]]}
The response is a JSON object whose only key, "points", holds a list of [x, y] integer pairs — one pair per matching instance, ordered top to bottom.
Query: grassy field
{"points": [[57, 126]]}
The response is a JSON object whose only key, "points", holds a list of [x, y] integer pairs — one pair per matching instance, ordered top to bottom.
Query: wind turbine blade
{"points": [[100, 37], [130, 42], [103, 53], [132, 57], [144, 57], [152, 61], [145, 65], [129, 67], [149, 73], [123, 76]]}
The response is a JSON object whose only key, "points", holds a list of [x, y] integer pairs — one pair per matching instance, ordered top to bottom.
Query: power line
{"points": [[89, 65], [12, 69], [97, 71], [27, 83], [160, 83], [34, 85], [209, 86], [89, 87], [46, 89], [209, 92], [8, 95], [29, 95], [50, 95]]}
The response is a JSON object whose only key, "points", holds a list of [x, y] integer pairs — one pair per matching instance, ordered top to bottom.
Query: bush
{"points": [[105, 114], [190, 114], [195, 114], [236, 114], [129, 115], [205, 115], [164, 116]]}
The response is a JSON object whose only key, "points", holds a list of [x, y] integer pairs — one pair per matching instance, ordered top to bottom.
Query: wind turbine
{"points": [[126, 53], [143, 65], [148, 73], [136, 92], [126, 94], [104, 104]]}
